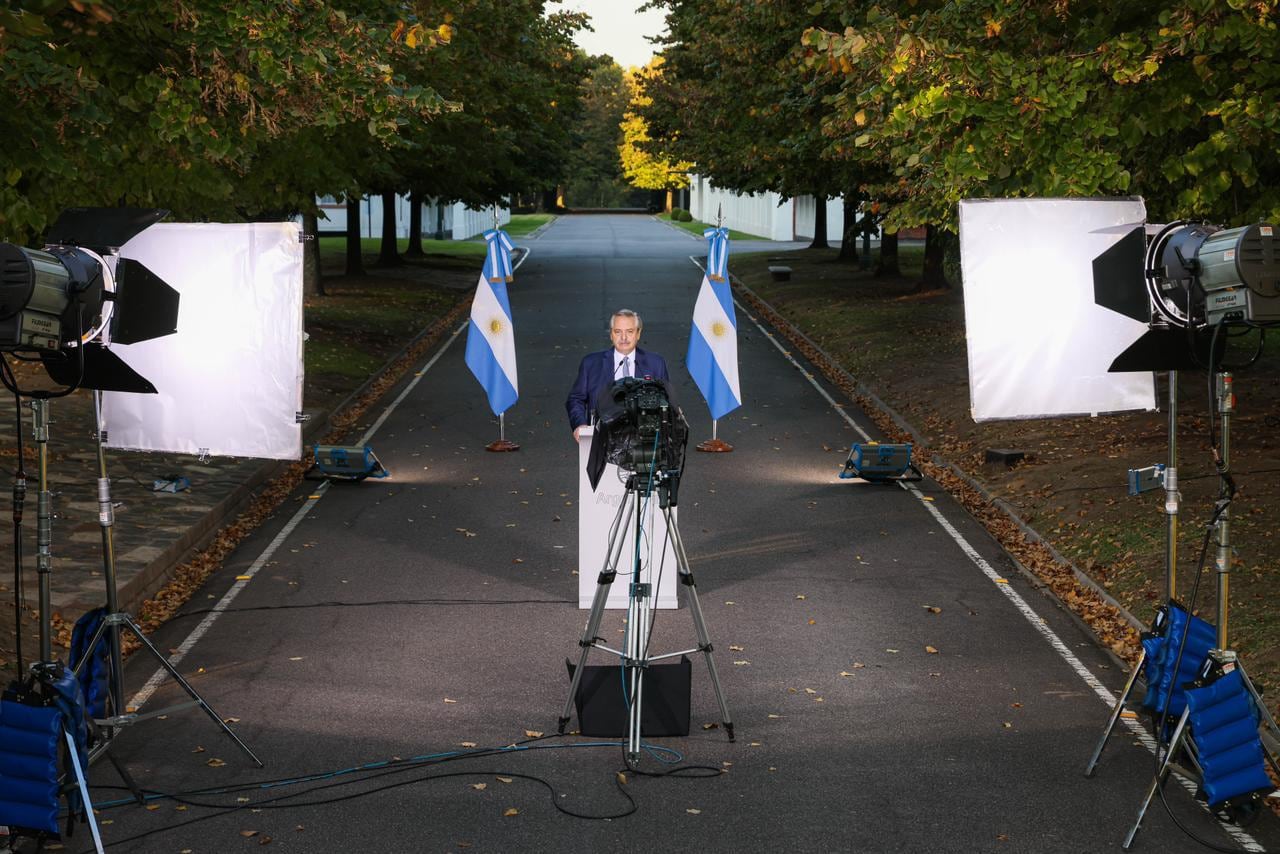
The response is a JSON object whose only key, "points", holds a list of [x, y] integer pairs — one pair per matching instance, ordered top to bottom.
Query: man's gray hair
{"points": [[626, 312]]}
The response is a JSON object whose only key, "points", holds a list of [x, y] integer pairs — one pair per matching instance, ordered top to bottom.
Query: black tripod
{"points": [[630, 519], [114, 620]]}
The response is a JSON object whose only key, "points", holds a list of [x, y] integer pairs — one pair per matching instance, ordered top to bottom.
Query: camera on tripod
{"points": [[641, 431]]}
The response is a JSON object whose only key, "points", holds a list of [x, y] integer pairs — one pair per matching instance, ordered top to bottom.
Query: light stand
{"points": [[1172, 501], [19, 503], [628, 524], [114, 620], [1222, 659]]}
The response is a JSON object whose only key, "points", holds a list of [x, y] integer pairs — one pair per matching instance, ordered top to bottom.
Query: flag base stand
{"points": [[500, 445], [714, 445]]}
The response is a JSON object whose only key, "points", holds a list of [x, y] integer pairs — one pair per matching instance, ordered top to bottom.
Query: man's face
{"points": [[624, 334]]}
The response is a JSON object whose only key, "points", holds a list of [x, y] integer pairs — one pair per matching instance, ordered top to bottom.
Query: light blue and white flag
{"points": [[717, 253], [497, 263], [491, 340], [713, 342]]}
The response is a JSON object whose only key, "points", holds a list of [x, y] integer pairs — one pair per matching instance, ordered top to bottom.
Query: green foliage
{"points": [[511, 74], [734, 98], [1176, 101], [186, 106], [914, 106], [252, 109], [641, 167], [595, 178]]}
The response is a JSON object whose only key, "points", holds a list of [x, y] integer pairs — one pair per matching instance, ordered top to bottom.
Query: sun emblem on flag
{"points": [[495, 326], [718, 329]]}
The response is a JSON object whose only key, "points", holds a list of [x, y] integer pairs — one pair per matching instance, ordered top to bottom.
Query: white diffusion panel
{"points": [[1038, 345], [230, 379]]}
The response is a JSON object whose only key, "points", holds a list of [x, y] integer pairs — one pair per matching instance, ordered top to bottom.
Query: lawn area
{"points": [[697, 228], [333, 249], [362, 321]]}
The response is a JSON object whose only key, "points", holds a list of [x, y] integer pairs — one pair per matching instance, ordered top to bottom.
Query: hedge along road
{"points": [[894, 683]]}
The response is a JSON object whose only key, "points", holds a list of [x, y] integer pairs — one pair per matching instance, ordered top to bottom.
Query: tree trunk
{"points": [[549, 201], [819, 223], [415, 226], [849, 240], [935, 252], [388, 254], [355, 257], [887, 266], [312, 278]]}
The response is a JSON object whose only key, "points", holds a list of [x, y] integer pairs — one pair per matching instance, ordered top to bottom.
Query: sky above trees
{"points": [[619, 29]]}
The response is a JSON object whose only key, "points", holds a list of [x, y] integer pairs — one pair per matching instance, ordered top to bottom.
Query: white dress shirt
{"points": [[618, 370]]}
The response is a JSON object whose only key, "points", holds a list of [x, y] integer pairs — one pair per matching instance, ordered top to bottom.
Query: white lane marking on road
{"points": [[243, 580], [227, 598], [1037, 622]]}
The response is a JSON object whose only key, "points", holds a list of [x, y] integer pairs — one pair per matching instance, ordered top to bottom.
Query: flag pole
{"points": [[501, 445], [715, 445]]}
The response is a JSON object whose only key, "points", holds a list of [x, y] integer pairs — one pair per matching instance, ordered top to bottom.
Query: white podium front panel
{"points": [[596, 512]]}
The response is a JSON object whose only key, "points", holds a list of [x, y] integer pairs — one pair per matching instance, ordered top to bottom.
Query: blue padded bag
{"points": [[96, 671], [1224, 726], [29, 740]]}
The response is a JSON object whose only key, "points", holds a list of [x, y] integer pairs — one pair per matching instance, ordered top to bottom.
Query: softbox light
{"points": [[1039, 346], [229, 382]]}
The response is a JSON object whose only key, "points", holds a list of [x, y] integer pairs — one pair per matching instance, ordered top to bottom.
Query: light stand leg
{"points": [[1226, 405], [1172, 498], [19, 504], [106, 519], [44, 524], [613, 552], [699, 623], [1116, 710], [1158, 779]]}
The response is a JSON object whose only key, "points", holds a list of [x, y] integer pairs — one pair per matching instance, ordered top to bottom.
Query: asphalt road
{"points": [[418, 615]]}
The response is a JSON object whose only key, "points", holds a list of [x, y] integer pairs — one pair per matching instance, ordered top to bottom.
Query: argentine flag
{"points": [[491, 340], [713, 348]]}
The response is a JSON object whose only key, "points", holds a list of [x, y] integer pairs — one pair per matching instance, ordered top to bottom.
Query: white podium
{"points": [[596, 512]]}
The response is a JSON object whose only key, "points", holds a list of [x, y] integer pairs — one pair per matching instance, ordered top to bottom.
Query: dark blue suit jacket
{"points": [[596, 374]]}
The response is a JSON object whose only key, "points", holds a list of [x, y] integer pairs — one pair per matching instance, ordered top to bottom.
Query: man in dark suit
{"points": [[600, 370]]}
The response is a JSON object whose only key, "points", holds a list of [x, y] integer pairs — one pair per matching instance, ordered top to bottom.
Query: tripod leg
{"points": [[608, 572], [699, 624], [186, 686], [1115, 715], [125, 776], [1158, 780]]}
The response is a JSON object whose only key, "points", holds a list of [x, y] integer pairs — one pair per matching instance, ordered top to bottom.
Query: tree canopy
{"points": [[915, 106], [253, 108], [640, 166]]}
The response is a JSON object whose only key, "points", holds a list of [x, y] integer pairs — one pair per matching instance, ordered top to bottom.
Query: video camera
{"points": [[640, 430]]}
